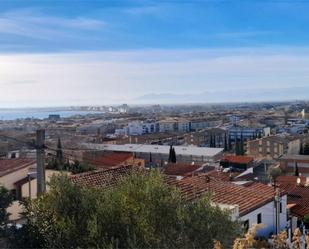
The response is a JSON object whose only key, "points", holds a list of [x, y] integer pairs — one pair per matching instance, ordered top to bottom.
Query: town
{"points": [[252, 158]]}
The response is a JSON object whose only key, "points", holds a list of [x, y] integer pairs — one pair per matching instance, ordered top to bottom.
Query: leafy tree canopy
{"points": [[140, 212]]}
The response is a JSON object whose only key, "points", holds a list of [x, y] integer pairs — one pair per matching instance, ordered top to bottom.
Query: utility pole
{"points": [[40, 139], [277, 205]]}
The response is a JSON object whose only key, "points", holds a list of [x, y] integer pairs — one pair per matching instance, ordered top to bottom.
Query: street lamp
{"points": [[31, 175]]}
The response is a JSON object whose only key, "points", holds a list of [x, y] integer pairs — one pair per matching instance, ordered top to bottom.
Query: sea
{"points": [[13, 114]]}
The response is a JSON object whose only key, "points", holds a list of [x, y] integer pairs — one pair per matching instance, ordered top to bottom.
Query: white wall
{"points": [[268, 218]]}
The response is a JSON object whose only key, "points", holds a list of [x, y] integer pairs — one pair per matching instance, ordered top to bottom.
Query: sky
{"points": [[95, 52]]}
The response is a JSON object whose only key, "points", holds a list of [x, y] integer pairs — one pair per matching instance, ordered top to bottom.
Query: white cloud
{"points": [[30, 23], [113, 77]]}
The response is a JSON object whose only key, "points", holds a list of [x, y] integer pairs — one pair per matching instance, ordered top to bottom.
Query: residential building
{"points": [[200, 124], [175, 125], [140, 128], [247, 133], [211, 137], [273, 147], [251, 205]]}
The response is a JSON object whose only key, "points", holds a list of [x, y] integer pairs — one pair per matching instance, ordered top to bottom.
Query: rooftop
{"points": [[158, 149], [110, 159], [238, 159], [8, 166], [180, 169], [103, 177], [298, 195], [247, 198]]}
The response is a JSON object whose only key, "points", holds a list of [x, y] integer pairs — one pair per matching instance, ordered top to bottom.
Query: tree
{"points": [[211, 141], [214, 141], [225, 143], [242, 149], [301, 149], [306, 149], [170, 154], [59, 155], [174, 159], [296, 172], [273, 173], [6, 199], [140, 212]]}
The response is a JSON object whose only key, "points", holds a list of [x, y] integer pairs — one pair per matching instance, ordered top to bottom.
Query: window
{"points": [[280, 208], [259, 218], [246, 225]]}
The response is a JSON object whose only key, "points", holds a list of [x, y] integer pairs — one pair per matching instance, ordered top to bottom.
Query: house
{"points": [[13, 170], [297, 189], [252, 204]]}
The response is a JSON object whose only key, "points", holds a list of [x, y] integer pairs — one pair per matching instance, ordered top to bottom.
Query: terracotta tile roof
{"points": [[110, 159], [238, 159], [8, 166], [180, 169], [103, 177], [191, 187], [297, 194], [247, 198]]}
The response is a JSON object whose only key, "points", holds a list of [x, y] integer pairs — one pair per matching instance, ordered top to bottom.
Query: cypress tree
{"points": [[211, 142], [225, 143], [229, 143], [301, 149], [237, 150], [242, 150], [170, 154], [59, 155], [174, 160], [296, 173]]}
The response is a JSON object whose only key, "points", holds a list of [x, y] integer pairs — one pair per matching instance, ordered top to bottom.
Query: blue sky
{"points": [[109, 51]]}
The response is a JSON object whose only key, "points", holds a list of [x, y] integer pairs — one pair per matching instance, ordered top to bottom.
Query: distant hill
{"points": [[243, 95]]}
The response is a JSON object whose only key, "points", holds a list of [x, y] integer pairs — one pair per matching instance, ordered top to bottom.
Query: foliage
{"points": [[172, 155], [76, 167], [273, 172], [6, 199], [140, 212], [306, 219], [249, 240], [280, 240]]}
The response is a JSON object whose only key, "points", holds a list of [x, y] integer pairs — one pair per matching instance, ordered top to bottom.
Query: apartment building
{"points": [[200, 124], [175, 125], [140, 128], [247, 133], [212, 137], [273, 147]]}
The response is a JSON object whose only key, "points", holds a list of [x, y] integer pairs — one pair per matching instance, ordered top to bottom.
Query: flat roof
{"points": [[158, 149], [294, 157]]}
